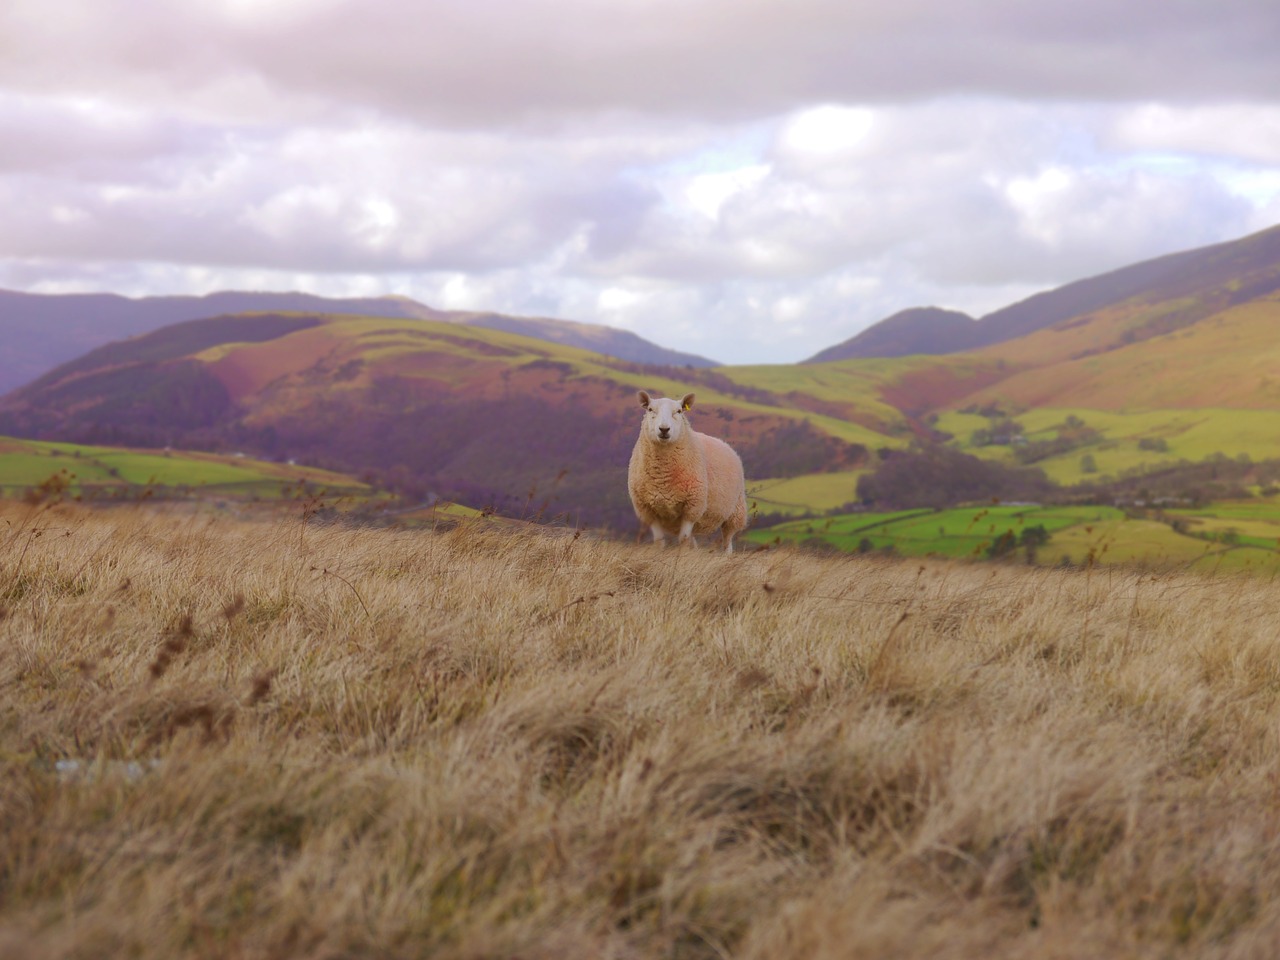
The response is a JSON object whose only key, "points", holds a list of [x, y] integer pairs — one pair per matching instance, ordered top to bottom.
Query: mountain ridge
{"points": [[42, 331], [932, 331], [899, 335]]}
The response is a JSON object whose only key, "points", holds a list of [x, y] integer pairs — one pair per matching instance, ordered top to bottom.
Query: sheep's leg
{"points": [[686, 532], [658, 536]]}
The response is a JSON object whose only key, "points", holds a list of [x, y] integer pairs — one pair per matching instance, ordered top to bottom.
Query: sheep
{"points": [[683, 482]]}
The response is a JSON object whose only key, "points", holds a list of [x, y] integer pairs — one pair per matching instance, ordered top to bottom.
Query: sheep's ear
{"points": [[643, 398], [687, 402]]}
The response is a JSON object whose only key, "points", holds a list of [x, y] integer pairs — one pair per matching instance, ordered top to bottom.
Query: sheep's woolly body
{"points": [[684, 483]]}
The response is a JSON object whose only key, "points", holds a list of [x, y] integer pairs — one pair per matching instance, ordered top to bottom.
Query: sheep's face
{"points": [[664, 418]]}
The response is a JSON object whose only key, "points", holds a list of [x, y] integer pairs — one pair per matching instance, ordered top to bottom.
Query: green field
{"points": [[1188, 435], [26, 464], [811, 493], [1247, 523], [961, 532], [1077, 534]]}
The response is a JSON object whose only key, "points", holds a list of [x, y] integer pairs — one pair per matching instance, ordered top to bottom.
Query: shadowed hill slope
{"points": [[903, 334]]}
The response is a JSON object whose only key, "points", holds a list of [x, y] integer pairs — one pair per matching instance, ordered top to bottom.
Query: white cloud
{"points": [[829, 131], [1247, 132], [707, 193], [618, 300]]}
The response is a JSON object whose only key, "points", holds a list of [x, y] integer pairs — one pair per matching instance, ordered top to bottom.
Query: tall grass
{"points": [[262, 739]]}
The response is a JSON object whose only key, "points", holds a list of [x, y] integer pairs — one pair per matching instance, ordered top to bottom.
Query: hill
{"points": [[1237, 271], [41, 331], [1183, 368], [427, 407], [95, 472], [232, 739]]}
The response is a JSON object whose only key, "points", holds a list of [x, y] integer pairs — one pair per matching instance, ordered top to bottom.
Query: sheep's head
{"points": [[664, 419]]}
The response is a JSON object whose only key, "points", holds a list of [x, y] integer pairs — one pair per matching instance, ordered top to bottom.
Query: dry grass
{"points": [[326, 742]]}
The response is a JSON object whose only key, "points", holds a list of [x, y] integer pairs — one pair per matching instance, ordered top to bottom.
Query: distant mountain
{"points": [[1240, 270], [1194, 330], [40, 331], [609, 341]]}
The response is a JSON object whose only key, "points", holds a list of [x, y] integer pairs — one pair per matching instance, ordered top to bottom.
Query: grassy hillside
{"points": [[1229, 359], [483, 416], [1128, 440], [26, 464], [804, 494], [962, 532], [1212, 538], [226, 739]]}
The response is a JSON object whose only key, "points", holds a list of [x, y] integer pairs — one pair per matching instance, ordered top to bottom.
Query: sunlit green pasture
{"points": [[854, 384], [852, 389], [1188, 435], [25, 464], [811, 493], [1244, 523], [959, 532], [1078, 535], [1122, 539], [1154, 544], [1237, 559]]}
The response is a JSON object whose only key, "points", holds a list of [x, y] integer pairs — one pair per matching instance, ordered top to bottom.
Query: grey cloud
{"points": [[489, 62], [497, 62], [89, 140], [369, 199]]}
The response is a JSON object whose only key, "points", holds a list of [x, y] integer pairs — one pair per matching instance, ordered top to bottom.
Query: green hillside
{"points": [[1125, 441], [112, 471], [814, 492], [962, 532], [1215, 537]]}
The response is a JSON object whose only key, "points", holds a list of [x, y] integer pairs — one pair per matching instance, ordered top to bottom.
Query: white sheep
{"points": [[683, 482]]}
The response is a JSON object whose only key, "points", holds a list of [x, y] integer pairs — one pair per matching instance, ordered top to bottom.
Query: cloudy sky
{"points": [[752, 180]]}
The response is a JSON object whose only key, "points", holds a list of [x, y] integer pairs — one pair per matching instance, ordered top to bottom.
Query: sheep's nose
{"points": [[663, 431]]}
